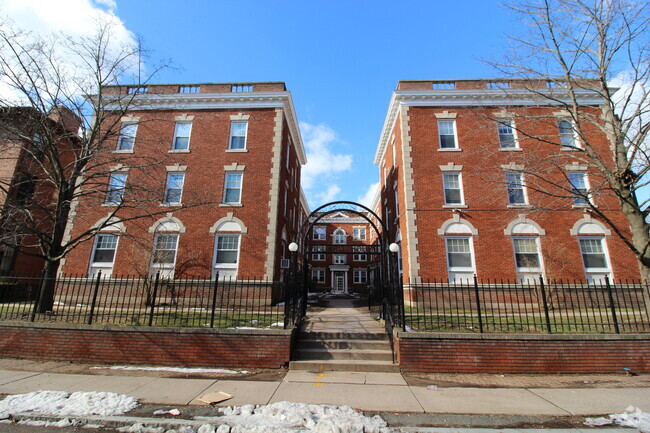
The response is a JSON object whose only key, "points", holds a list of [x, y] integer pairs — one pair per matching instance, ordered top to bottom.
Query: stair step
{"points": [[329, 335], [312, 343], [344, 354], [335, 365]]}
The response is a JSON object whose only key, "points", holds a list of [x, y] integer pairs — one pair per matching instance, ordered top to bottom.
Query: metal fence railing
{"points": [[149, 301], [502, 307]]}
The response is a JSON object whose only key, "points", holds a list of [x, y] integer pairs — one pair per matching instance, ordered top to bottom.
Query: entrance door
{"points": [[339, 282]]}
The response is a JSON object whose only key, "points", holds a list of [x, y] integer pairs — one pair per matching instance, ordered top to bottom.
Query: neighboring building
{"points": [[461, 163], [223, 165], [27, 196], [340, 252]]}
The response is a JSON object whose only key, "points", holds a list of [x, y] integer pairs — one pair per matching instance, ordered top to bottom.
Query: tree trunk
{"points": [[640, 239], [48, 285]]}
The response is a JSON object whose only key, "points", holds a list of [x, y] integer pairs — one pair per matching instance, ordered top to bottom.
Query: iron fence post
{"points": [[153, 298], [214, 299], [94, 301], [478, 305], [611, 305], [547, 316], [32, 317]]}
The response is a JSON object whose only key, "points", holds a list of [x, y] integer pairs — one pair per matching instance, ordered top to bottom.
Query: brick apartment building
{"points": [[223, 164], [460, 195], [348, 269]]}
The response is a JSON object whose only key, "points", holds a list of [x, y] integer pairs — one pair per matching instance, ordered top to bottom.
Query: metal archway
{"points": [[387, 285]]}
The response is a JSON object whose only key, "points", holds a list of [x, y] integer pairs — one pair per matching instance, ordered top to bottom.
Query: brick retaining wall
{"points": [[152, 346], [491, 353]]}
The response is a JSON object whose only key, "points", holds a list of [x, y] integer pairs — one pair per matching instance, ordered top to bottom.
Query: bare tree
{"points": [[596, 48], [62, 136]]}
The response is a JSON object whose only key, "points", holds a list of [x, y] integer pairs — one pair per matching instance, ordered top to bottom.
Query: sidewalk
{"points": [[542, 396]]}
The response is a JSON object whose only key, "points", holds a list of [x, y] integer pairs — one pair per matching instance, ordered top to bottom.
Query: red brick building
{"points": [[462, 164], [220, 167], [348, 268]]}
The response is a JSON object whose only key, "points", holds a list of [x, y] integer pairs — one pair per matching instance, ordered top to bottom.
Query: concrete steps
{"points": [[343, 338]]}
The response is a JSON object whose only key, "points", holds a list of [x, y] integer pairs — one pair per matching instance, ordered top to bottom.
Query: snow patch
{"points": [[174, 369], [61, 403], [633, 417]]}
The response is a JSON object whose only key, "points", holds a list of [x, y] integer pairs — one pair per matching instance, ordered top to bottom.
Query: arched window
{"points": [[339, 236], [227, 242], [459, 245], [165, 246], [526, 246], [593, 248], [104, 249]]}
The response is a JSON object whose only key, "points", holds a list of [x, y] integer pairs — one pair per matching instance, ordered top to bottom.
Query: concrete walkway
{"points": [[374, 392]]}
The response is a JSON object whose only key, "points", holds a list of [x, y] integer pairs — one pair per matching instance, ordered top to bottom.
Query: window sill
{"points": [[449, 149], [511, 149], [571, 149], [236, 150], [123, 151], [179, 151], [111, 204], [171, 204], [230, 205], [455, 206], [519, 206], [582, 206]]}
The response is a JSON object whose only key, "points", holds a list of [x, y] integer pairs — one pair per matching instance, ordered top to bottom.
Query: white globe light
{"points": [[293, 247], [393, 247]]}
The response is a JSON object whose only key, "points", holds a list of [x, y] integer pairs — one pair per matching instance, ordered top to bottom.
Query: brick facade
{"points": [[261, 208], [485, 211], [148, 346]]}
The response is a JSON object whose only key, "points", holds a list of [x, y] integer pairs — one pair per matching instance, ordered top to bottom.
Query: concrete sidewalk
{"points": [[372, 392]]}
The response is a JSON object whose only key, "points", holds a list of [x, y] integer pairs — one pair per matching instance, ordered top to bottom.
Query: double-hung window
{"points": [[506, 132], [447, 134], [567, 134], [238, 135], [182, 136], [126, 139], [116, 187], [174, 187], [515, 187], [232, 188], [453, 188], [579, 188], [319, 233], [359, 234], [318, 253], [164, 254], [103, 255], [226, 255], [527, 258], [339, 259], [459, 259], [594, 259], [318, 275], [360, 276]]}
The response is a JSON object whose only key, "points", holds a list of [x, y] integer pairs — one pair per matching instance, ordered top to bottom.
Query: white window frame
{"points": [[507, 123], [125, 130], [232, 134], [440, 134], [177, 136], [575, 141], [520, 181], [460, 184], [168, 188], [226, 188], [115, 191], [577, 200], [320, 233], [359, 233], [339, 234], [318, 256], [360, 257], [340, 259], [105, 267], [166, 269], [458, 269], [226, 270], [533, 272], [319, 274], [596, 275], [360, 276]]}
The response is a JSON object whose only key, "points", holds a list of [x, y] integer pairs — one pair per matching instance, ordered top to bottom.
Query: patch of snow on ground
{"points": [[276, 324], [174, 369], [61, 403], [286, 416], [633, 417]]}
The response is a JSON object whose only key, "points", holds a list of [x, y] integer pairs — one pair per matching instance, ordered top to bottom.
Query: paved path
{"points": [[376, 392]]}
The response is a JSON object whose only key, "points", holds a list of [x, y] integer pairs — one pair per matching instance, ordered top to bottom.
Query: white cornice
{"points": [[477, 98], [220, 101]]}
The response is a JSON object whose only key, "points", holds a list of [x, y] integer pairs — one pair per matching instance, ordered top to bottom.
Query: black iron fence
{"points": [[149, 301], [502, 307]]}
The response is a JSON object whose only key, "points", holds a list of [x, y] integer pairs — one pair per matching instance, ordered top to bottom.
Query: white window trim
{"points": [[126, 121], [514, 134], [230, 136], [189, 137], [456, 143], [577, 143], [169, 174], [108, 188], [241, 188], [462, 193], [590, 202], [526, 203], [355, 235], [345, 236], [318, 238], [343, 258], [103, 266], [162, 267], [218, 267], [451, 270], [539, 270], [591, 271], [319, 272], [356, 272]]}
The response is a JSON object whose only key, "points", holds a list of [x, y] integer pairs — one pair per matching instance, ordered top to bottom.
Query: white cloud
{"points": [[323, 162], [328, 195], [366, 199]]}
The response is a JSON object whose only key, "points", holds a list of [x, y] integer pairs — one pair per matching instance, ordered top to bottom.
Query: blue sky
{"points": [[340, 59]]}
